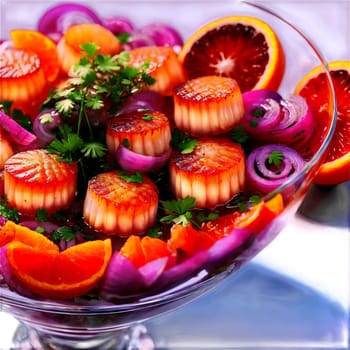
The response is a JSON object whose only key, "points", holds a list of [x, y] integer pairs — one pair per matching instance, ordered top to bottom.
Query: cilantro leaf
{"points": [[90, 48], [239, 135], [181, 141], [66, 148], [94, 150], [275, 158], [131, 177], [178, 210], [8, 213], [41, 215], [63, 233]]}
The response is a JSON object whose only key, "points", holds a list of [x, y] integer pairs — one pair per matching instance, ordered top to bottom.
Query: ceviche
{"points": [[132, 157]]}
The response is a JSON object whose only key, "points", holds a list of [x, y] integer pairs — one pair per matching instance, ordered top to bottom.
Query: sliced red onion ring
{"points": [[58, 18], [118, 24], [162, 34], [137, 40], [149, 100], [262, 111], [270, 118], [44, 125], [296, 125], [17, 133], [133, 161], [264, 177], [48, 226], [226, 247], [182, 271], [10, 279], [122, 279]]}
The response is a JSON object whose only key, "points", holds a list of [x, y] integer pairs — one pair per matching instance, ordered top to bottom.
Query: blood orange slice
{"points": [[241, 47], [314, 87], [59, 275]]}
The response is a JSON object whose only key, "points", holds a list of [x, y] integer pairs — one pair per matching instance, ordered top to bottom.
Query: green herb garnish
{"points": [[97, 78], [147, 117], [239, 135], [181, 141], [275, 158], [131, 177], [179, 210], [8, 213], [41, 215], [63, 233]]}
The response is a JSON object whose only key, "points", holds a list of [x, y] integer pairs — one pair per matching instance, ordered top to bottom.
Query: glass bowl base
{"points": [[133, 338]]}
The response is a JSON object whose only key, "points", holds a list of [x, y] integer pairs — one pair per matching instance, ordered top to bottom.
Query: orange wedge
{"points": [[14, 232], [59, 275]]}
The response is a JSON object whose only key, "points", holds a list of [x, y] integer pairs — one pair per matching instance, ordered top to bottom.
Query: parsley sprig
{"points": [[99, 81], [183, 142], [275, 158], [6, 212], [183, 212]]}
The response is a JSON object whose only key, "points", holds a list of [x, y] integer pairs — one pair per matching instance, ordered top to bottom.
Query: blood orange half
{"points": [[241, 47], [336, 167]]}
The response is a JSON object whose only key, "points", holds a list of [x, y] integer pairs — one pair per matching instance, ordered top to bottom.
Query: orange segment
{"points": [[40, 44], [241, 47], [336, 166], [254, 219], [14, 232], [188, 240], [143, 250], [59, 275]]}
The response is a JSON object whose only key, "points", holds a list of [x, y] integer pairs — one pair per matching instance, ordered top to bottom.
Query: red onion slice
{"points": [[58, 18], [118, 25], [162, 34], [137, 40], [149, 100], [262, 111], [44, 125], [296, 125], [17, 133], [133, 161], [264, 177], [226, 247], [183, 270], [122, 279]]}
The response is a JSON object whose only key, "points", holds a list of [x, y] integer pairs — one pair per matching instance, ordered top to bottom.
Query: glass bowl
{"points": [[96, 324]]}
